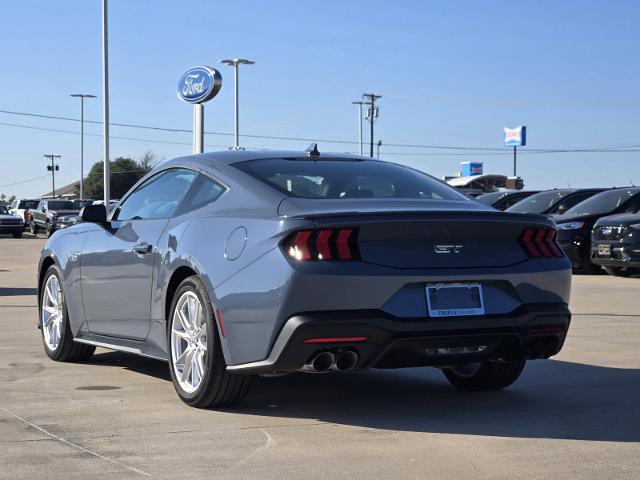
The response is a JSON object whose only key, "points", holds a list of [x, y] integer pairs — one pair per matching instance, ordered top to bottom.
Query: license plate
{"points": [[604, 250], [455, 300]]}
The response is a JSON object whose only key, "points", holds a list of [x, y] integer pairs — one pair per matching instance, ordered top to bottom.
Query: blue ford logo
{"points": [[199, 84]]}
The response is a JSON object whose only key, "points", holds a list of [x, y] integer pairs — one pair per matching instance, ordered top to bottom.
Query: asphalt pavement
{"points": [[117, 416]]}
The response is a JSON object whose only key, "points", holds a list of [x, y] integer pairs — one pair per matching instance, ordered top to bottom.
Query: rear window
{"points": [[344, 178], [30, 204], [61, 205]]}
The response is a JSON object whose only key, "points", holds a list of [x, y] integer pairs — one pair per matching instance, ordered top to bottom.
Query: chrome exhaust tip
{"points": [[321, 362]]}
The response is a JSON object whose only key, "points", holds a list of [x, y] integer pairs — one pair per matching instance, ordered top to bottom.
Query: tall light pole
{"points": [[235, 63], [82, 96], [105, 103], [359, 123]]}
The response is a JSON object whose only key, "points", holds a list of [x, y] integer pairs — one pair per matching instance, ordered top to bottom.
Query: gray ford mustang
{"points": [[232, 264]]}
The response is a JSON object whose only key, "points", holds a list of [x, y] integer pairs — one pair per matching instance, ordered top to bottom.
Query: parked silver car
{"points": [[237, 263]]}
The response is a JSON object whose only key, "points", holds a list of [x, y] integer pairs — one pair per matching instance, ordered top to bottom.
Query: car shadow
{"points": [[16, 291], [135, 363], [553, 399]]}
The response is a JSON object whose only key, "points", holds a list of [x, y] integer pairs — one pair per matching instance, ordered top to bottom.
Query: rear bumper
{"points": [[5, 229], [533, 331]]}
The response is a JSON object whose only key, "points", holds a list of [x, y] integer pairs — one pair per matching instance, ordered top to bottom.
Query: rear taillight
{"points": [[540, 242], [336, 244]]}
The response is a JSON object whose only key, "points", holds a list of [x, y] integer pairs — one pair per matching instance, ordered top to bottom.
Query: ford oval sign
{"points": [[199, 84]]}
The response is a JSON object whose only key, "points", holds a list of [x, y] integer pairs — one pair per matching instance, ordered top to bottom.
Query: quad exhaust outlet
{"points": [[327, 361]]}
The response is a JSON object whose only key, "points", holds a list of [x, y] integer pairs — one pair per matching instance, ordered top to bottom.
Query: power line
{"points": [[296, 139], [24, 181]]}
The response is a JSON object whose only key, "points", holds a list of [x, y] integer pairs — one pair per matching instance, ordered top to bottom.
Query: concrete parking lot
{"points": [[117, 416]]}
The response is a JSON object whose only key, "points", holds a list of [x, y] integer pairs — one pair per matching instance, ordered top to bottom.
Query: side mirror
{"points": [[94, 214]]}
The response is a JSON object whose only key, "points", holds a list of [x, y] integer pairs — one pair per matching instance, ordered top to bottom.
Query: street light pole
{"points": [[235, 63], [82, 96], [105, 103], [359, 123]]}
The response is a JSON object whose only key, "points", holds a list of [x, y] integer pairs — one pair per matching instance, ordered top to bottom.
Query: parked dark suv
{"points": [[504, 198], [554, 202], [52, 214], [574, 227], [615, 244]]}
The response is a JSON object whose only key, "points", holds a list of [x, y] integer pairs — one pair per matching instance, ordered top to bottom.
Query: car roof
{"points": [[230, 157]]}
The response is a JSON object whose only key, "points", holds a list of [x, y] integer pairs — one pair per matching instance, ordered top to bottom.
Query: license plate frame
{"points": [[604, 250], [470, 294]]}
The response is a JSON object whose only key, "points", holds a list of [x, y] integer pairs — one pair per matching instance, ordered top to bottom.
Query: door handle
{"points": [[143, 248]]}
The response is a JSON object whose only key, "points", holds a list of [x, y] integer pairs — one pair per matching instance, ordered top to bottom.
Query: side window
{"points": [[204, 191], [158, 197], [567, 203], [634, 204], [41, 206]]}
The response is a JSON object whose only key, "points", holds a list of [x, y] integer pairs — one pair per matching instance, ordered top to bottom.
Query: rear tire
{"points": [[17, 235], [621, 271], [193, 337], [58, 340], [488, 375]]}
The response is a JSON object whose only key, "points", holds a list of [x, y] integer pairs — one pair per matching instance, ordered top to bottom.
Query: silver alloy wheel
{"points": [[52, 313], [189, 342]]}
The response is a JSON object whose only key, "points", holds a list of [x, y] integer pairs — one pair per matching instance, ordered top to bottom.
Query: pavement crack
{"points": [[75, 445]]}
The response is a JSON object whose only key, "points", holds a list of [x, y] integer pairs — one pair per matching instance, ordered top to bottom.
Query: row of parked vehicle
{"points": [[47, 215], [598, 228]]}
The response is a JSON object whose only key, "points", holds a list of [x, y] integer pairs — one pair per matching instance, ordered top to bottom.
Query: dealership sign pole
{"points": [[198, 85], [515, 137]]}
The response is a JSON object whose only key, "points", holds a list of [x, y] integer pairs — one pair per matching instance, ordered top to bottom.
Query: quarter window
{"points": [[203, 192], [158, 197]]}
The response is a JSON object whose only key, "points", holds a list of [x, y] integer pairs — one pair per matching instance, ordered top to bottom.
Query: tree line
{"points": [[125, 172]]}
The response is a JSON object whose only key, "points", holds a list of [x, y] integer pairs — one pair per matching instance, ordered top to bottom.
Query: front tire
{"points": [[33, 227], [50, 229], [17, 235], [621, 271], [57, 338], [196, 361], [488, 375]]}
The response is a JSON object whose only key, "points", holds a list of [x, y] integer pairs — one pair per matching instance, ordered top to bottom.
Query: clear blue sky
{"points": [[451, 73]]}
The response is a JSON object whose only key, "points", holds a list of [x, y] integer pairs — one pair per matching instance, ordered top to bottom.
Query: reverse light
{"points": [[571, 225], [540, 242], [337, 244]]}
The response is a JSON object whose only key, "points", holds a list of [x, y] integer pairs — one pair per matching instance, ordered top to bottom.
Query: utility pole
{"points": [[82, 96], [370, 99], [359, 123], [379, 144], [52, 168]]}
